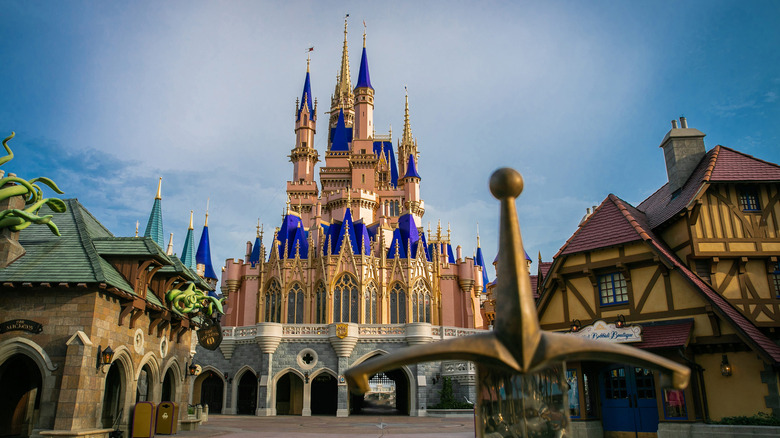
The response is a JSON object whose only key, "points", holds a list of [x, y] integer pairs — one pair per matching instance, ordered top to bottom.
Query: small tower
{"points": [[364, 101], [304, 156], [411, 187], [154, 228], [188, 252], [203, 256]]}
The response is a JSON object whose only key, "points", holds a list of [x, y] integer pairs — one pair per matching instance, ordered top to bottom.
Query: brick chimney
{"points": [[683, 150], [10, 249]]}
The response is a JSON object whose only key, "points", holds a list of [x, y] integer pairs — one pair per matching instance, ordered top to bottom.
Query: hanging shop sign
{"points": [[21, 325], [600, 330], [210, 335]]}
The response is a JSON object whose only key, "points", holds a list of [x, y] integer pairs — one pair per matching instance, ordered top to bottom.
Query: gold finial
{"points": [[364, 34], [308, 57], [159, 189], [349, 197], [287, 211], [206, 224], [190, 227], [258, 227], [136, 228], [438, 230], [261, 233], [449, 233], [477, 234], [540, 257]]}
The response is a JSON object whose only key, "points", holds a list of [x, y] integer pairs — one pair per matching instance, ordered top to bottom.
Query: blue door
{"points": [[628, 400]]}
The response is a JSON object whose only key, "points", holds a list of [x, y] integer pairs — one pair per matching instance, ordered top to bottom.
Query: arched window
{"points": [[345, 299], [273, 302], [421, 302], [295, 304], [370, 304], [397, 304], [321, 306]]}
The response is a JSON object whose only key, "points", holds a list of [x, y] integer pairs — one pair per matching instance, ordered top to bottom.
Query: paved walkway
{"points": [[236, 426]]}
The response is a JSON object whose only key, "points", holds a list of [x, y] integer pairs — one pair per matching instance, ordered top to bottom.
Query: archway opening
{"points": [[21, 381], [169, 386], [211, 390], [247, 394], [289, 395], [324, 395], [389, 395], [113, 396]]}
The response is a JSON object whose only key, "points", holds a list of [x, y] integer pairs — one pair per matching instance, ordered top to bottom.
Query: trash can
{"points": [[167, 418], [143, 420]]}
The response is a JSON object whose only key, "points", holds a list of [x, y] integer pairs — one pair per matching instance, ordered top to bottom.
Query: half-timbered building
{"points": [[691, 273]]}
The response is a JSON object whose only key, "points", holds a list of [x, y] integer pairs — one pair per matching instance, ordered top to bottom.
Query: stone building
{"points": [[349, 274], [691, 274], [67, 300]]}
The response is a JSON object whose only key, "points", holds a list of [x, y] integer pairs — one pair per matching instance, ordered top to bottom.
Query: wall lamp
{"points": [[620, 322], [576, 325], [105, 356], [725, 366], [192, 369], [306, 377], [227, 378], [436, 378]]}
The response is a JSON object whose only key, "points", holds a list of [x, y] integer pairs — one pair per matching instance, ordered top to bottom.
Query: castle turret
{"points": [[364, 101], [408, 145], [304, 156], [154, 228], [188, 252], [203, 256]]}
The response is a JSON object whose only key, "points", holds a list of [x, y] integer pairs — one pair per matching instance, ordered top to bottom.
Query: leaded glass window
{"points": [[748, 199], [775, 276], [613, 289], [345, 299], [273, 302], [421, 302], [370, 303], [295, 304], [397, 304], [321, 306]]}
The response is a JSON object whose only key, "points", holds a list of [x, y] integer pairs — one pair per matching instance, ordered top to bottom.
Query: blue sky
{"points": [[105, 97]]}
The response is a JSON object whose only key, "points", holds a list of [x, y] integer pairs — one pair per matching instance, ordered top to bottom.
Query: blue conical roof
{"points": [[364, 79], [306, 97], [340, 135], [411, 169], [154, 228], [348, 230], [293, 235], [363, 237], [397, 242], [188, 252], [203, 254], [254, 257], [480, 261]]}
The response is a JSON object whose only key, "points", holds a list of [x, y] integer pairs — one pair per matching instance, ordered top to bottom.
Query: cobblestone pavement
{"points": [[235, 426]]}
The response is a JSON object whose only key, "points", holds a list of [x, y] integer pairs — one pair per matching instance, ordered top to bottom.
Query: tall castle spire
{"points": [[343, 98], [364, 100], [407, 146], [154, 228], [203, 254]]}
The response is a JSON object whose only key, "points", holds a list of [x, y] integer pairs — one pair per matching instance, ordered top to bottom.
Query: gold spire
{"points": [[364, 34], [344, 82], [406, 137], [159, 189], [349, 197], [287, 211], [206, 224], [190, 227], [258, 227], [136, 228], [477, 234]]}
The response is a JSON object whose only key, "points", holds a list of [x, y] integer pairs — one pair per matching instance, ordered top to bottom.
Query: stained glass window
{"points": [[345, 299], [273, 302], [369, 304], [397, 304]]}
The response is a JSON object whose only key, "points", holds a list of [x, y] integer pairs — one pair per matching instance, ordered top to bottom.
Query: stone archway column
{"points": [[269, 335], [343, 337], [82, 390], [306, 411]]}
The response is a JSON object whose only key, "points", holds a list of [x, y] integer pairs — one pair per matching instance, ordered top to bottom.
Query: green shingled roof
{"points": [[77, 255]]}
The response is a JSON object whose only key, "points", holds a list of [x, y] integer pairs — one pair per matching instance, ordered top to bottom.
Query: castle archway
{"points": [[22, 383], [212, 388], [114, 394], [247, 394], [324, 394], [390, 394], [289, 395]]}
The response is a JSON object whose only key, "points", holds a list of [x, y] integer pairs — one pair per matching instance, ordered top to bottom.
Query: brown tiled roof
{"points": [[720, 164], [605, 227], [544, 268], [534, 286], [665, 334]]}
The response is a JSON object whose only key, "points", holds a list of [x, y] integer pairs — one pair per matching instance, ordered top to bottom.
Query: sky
{"points": [[106, 97]]}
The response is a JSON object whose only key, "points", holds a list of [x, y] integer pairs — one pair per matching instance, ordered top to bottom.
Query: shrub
{"points": [[447, 397], [759, 419]]}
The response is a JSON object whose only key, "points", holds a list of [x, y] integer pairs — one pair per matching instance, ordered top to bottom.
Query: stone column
{"points": [[269, 335], [81, 388], [343, 405]]}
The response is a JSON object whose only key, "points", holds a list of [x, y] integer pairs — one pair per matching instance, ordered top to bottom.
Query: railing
{"points": [[364, 331]]}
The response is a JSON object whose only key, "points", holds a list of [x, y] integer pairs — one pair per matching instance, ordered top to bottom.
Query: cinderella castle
{"points": [[349, 274]]}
